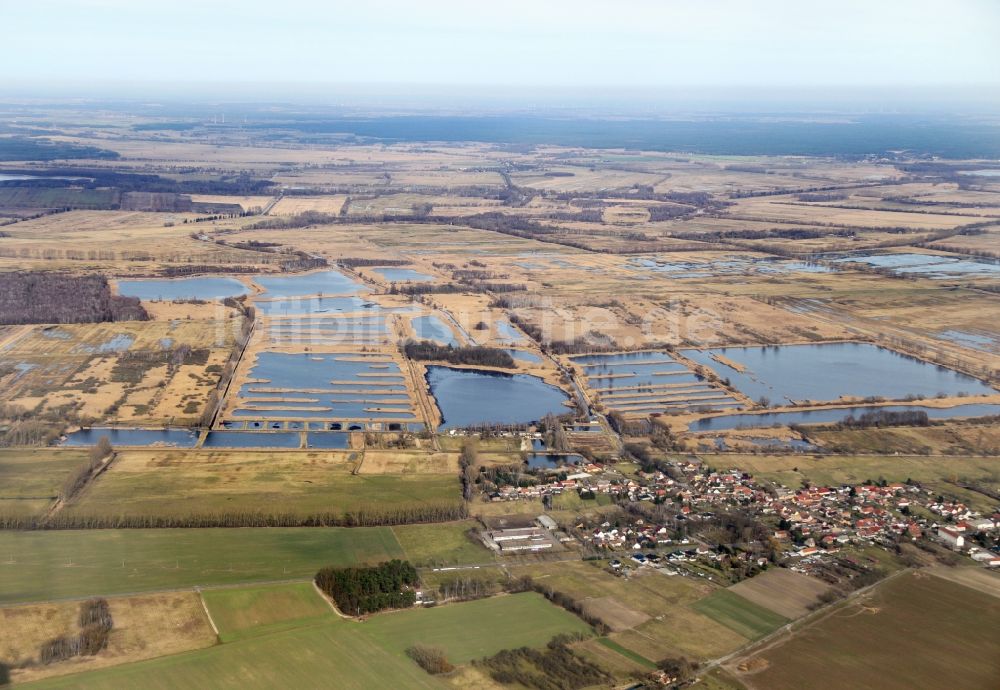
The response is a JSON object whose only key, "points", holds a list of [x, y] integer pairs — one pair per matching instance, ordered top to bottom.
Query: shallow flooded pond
{"points": [[928, 265], [402, 275], [207, 288], [432, 328], [524, 356], [828, 371], [468, 397]]}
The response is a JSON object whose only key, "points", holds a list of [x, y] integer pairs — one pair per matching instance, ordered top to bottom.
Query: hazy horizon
{"points": [[556, 49]]}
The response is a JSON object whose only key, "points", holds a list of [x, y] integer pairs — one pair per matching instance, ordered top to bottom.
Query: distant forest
{"points": [[861, 136], [33, 149], [34, 297]]}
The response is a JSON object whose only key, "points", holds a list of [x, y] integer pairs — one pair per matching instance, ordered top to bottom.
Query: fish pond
{"points": [[402, 275], [318, 283], [207, 288], [432, 328], [829, 371], [647, 382], [324, 386], [470, 397], [831, 416], [179, 438]]}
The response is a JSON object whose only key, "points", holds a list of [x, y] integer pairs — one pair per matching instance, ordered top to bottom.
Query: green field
{"points": [[30, 479], [177, 485], [445, 543], [45, 565], [246, 611], [739, 614], [476, 629], [915, 631], [328, 651], [627, 653], [331, 654]]}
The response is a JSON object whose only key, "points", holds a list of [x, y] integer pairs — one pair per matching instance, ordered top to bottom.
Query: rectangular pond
{"points": [[402, 275], [206, 288], [829, 371], [647, 382], [338, 387], [472, 397], [757, 421], [178, 438], [252, 439]]}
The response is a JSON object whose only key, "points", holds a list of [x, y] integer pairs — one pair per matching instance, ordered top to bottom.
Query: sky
{"points": [[530, 44]]}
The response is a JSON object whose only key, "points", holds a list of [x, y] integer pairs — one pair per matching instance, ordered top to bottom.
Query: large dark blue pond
{"points": [[319, 283], [182, 288], [829, 371], [468, 397], [753, 421], [180, 438], [252, 439]]}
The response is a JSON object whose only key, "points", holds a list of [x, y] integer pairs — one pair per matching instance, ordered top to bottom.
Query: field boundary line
{"points": [[204, 606]]}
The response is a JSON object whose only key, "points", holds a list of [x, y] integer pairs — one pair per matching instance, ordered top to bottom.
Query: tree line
{"points": [[426, 350], [373, 516]]}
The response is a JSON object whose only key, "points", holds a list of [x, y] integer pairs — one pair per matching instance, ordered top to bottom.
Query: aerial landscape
{"points": [[556, 367]]}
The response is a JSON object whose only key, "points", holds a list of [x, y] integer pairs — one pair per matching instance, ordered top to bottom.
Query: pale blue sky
{"points": [[531, 43]]}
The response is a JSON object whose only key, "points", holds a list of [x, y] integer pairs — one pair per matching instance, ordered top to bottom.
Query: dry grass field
{"points": [[292, 205], [125, 372], [145, 627]]}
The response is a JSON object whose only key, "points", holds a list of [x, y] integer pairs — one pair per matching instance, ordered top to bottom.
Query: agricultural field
{"points": [[32, 479], [169, 487], [442, 543], [45, 565], [785, 592], [239, 612], [740, 614], [145, 626], [475, 629], [859, 644], [332, 650], [346, 653]]}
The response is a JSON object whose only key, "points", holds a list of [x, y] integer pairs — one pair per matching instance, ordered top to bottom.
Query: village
{"points": [[670, 513]]}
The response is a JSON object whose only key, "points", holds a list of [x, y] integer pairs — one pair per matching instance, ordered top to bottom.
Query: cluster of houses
{"points": [[813, 521]]}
